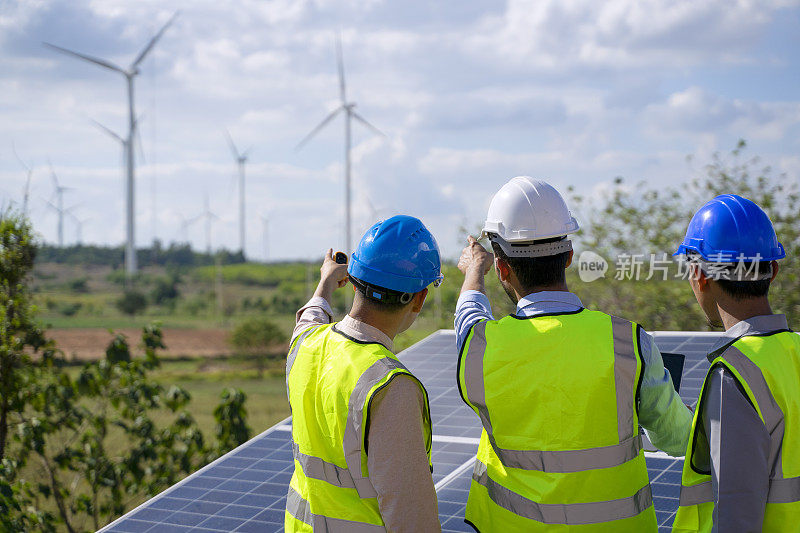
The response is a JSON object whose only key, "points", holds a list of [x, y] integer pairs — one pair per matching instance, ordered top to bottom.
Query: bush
{"points": [[79, 285], [165, 290], [132, 302], [69, 309], [256, 336]]}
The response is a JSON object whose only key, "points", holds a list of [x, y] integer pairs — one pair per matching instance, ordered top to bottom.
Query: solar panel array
{"points": [[245, 490]]}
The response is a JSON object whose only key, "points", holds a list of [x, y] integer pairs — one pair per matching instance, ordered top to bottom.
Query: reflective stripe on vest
{"points": [[293, 354], [353, 430], [565, 461], [696, 487], [299, 508], [573, 513]]}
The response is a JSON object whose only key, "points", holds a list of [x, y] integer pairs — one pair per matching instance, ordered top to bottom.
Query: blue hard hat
{"points": [[730, 228], [399, 254]]}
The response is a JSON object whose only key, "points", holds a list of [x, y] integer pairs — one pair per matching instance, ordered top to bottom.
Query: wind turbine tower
{"points": [[130, 74], [348, 108], [241, 161], [26, 192], [59, 205], [209, 217], [79, 222], [265, 230]]}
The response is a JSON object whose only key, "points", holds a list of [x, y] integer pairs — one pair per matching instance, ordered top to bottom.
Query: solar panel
{"points": [[245, 490]]}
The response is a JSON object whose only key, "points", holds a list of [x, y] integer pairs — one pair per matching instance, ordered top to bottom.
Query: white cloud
{"points": [[556, 35], [697, 112]]}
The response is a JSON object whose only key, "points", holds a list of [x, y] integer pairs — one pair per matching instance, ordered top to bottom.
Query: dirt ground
{"points": [[90, 343]]}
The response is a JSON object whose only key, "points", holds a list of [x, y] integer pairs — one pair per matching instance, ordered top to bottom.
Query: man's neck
{"points": [[522, 293], [734, 311], [388, 325]]}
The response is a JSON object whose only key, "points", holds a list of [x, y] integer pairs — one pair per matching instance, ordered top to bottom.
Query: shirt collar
{"points": [[561, 297], [756, 325], [361, 331]]}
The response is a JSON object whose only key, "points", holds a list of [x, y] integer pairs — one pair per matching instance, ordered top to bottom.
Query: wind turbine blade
{"points": [[153, 42], [95, 60], [340, 64], [367, 124], [319, 127], [108, 131], [231, 144], [246, 153], [21, 162], [53, 174], [50, 204], [69, 210], [372, 210]]}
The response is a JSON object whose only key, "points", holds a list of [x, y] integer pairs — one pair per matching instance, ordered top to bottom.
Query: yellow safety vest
{"points": [[768, 369], [330, 380], [560, 448]]}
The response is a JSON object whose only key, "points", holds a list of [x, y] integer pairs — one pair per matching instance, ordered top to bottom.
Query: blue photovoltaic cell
{"points": [[245, 490]]}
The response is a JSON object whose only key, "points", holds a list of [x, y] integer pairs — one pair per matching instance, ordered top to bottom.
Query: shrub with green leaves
{"points": [[132, 302]]}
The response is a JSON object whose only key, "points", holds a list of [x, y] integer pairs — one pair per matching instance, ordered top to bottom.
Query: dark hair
{"points": [[535, 272], [742, 290]]}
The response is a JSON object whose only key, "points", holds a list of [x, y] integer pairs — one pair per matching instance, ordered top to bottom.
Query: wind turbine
{"points": [[130, 74], [348, 108], [241, 161], [27, 190], [59, 205], [209, 217], [78, 226], [184, 227], [265, 231]]}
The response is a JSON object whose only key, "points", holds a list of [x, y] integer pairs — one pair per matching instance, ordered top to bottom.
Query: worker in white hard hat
{"points": [[560, 389]]}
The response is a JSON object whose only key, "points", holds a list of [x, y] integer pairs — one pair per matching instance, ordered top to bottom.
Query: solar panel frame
{"points": [[245, 489]]}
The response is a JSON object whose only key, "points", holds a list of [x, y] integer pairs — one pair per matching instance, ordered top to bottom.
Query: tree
{"points": [[641, 220], [19, 333], [256, 337], [231, 417], [87, 446]]}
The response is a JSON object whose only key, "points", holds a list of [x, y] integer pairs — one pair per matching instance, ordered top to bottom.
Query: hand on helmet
{"points": [[475, 256]]}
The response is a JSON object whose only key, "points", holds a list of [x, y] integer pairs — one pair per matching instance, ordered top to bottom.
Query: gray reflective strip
{"points": [[293, 354], [473, 376], [624, 376], [770, 411], [353, 430], [563, 461], [316, 468], [785, 490], [696, 494], [299, 508], [571, 513]]}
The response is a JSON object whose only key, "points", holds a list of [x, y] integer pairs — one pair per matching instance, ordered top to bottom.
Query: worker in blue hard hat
{"points": [[559, 389], [361, 425], [742, 467]]}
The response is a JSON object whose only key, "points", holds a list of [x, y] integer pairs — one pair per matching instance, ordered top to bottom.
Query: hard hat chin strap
{"points": [[532, 248], [742, 271], [379, 294]]}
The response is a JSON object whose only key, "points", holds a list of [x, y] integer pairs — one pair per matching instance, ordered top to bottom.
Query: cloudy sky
{"points": [[469, 92]]}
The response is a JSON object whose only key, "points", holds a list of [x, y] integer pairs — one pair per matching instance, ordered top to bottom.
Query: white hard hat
{"points": [[526, 210]]}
